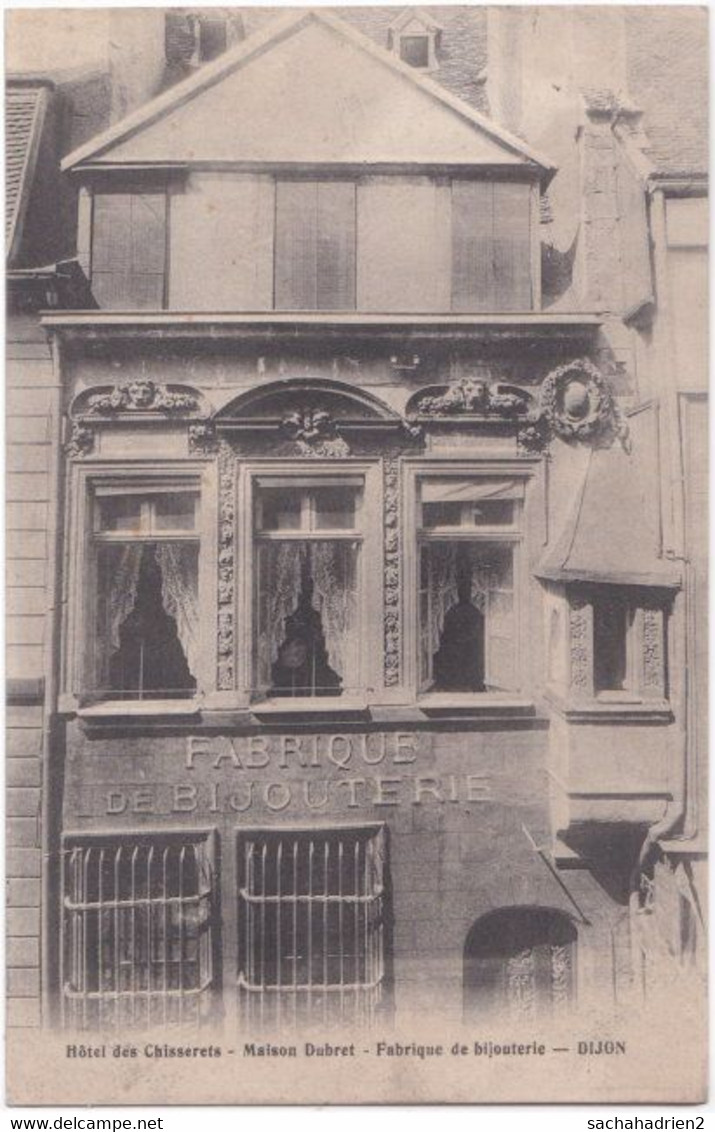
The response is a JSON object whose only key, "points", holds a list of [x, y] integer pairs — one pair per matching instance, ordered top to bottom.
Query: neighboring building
{"points": [[375, 668]]}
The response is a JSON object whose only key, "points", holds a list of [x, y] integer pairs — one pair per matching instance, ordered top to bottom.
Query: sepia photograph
{"points": [[356, 555]]}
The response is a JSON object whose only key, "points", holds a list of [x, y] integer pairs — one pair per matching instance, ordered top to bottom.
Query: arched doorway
{"points": [[519, 962]]}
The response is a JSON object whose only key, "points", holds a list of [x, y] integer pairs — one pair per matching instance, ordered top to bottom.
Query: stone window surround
{"points": [[152, 476], [647, 661], [379, 696]]}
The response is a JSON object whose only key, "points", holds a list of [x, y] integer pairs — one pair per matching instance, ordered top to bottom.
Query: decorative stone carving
{"points": [[141, 396], [468, 397], [577, 404], [314, 432], [202, 439], [81, 441], [391, 504], [225, 628], [580, 644], [653, 661]]}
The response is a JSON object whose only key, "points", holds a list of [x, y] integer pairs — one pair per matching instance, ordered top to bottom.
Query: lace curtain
{"points": [[179, 565], [332, 567], [120, 568], [490, 572]]}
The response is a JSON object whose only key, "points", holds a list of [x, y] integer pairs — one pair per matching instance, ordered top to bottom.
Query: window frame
{"points": [[317, 181], [534, 218], [86, 234], [330, 472], [150, 477], [517, 536], [576, 692], [373, 832], [116, 841]]}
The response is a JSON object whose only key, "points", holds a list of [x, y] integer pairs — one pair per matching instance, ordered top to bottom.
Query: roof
{"points": [[275, 34], [461, 52], [667, 59], [25, 107], [600, 542]]}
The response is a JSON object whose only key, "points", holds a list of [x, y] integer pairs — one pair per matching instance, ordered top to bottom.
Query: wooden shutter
{"points": [[472, 222], [315, 245], [336, 246], [491, 246], [512, 247], [129, 250], [296, 263]]}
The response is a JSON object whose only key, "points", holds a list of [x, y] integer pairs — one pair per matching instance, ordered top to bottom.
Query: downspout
{"points": [[676, 818], [51, 819]]}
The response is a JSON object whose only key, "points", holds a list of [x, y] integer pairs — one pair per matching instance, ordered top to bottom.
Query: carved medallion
{"points": [[577, 404]]}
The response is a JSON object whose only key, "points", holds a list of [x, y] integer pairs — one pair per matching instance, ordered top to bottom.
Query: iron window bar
{"points": [[311, 928], [138, 930]]}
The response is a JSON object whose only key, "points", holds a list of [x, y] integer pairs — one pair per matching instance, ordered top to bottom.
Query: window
{"points": [[415, 37], [415, 50], [491, 246], [129, 250], [315, 260], [468, 540], [307, 585], [143, 641], [613, 668], [311, 927], [138, 931], [520, 962]]}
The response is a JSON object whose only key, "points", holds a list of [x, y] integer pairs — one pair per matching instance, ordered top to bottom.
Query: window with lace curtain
{"points": [[469, 535], [307, 582], [143, 639]]}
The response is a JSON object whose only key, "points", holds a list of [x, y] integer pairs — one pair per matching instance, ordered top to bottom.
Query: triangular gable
{"points": [[311, 89]]}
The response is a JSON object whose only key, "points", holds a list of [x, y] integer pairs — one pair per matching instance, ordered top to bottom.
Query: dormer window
{"points": [[197, 36], [414, 37], [415, 50]]}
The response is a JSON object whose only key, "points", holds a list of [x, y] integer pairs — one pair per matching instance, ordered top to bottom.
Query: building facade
{"points": [[374, 668]]}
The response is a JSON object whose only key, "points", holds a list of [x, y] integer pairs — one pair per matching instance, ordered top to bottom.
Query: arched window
{"points": [[519, 962]]}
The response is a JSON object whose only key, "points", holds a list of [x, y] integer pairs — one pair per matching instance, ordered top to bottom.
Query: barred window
{"points": [[312, 915], [138, 930]]}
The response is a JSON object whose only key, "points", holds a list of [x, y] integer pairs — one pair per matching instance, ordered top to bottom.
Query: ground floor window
{"points": [[312, 927], [138, 930], [519, 963]]}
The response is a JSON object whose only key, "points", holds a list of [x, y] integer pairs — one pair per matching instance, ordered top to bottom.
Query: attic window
{"points": [[414, 38], [415, 50]]}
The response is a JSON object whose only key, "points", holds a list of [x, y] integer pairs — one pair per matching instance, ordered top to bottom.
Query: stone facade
{"points": [[551, 789]]}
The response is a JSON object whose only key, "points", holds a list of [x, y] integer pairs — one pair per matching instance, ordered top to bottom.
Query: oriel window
{"points": [[468, 543], [145, 545], [307, 586], [312, 914]]}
